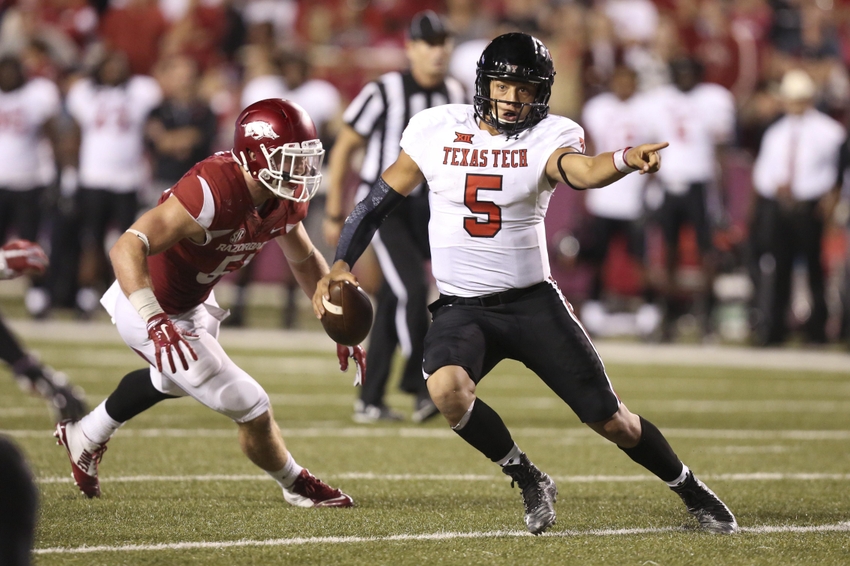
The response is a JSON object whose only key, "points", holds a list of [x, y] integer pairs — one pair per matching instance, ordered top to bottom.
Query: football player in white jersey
{"points": [[110, 109], [28, 110], [697, 117], [612, 120], [492, 168]]}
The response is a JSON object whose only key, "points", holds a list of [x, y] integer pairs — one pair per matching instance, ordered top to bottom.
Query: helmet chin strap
{"points": [[509, 128]]}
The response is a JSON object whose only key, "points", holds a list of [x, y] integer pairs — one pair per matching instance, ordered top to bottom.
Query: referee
{"points": [[375, 120]]}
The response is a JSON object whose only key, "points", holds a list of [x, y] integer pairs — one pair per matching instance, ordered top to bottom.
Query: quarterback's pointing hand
{"points": [[645, 158]]}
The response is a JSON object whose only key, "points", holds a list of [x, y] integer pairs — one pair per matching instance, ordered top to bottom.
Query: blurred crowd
{"points": [[106, 103]]}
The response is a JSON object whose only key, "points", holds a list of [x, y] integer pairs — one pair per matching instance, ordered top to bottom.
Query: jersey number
{"points": [[472, 224], [230, 263]]}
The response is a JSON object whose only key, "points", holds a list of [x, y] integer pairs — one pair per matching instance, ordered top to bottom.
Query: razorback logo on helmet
{"points": [[259, 130]]}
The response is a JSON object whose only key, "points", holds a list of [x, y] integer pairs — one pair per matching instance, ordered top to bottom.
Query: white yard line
{"points": [[613, 352], [718, 406], [440, 433], [370, 476], [301, 541]]}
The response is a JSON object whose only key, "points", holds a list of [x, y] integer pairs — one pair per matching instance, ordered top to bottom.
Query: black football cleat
{"points": [[66, 401], [424, 410], [370, 414], [539, 494], [702, 503]]}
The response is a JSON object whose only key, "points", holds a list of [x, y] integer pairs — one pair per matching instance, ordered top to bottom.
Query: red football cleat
{"points": [[84, 454], [310, 491]]}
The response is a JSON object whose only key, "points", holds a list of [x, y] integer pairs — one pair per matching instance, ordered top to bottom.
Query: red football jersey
{"points": [[215, 194]]}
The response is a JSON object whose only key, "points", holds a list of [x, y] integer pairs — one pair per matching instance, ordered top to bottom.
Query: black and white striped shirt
{"points": [[381, 112]]}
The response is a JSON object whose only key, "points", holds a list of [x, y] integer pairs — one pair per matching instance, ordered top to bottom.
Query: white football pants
{"points": [[213, 379]]}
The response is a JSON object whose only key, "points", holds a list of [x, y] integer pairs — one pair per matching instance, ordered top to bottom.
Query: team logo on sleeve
{"points": [[259, 130], [463, 138]]}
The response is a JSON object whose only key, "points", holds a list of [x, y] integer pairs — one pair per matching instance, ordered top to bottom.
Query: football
{"points": [[24, 257], [348, 313]]}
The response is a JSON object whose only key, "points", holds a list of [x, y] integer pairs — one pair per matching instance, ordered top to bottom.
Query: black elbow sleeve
{"points": [[364, 220]]}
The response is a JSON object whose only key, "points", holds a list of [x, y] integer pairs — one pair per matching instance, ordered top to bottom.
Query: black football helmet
{"points": [[516, 57]]}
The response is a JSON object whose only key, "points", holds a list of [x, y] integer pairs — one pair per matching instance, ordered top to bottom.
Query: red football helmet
{"points": [[276, 143]]}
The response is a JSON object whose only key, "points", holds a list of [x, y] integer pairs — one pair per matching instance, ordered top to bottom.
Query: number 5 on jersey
{"points": [[473, 225]]}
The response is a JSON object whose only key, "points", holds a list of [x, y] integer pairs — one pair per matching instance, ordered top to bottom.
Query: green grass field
{"points": [[773, 443]]}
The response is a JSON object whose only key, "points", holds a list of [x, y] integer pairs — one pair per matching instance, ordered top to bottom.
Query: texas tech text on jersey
{"points": [[479, 158]]}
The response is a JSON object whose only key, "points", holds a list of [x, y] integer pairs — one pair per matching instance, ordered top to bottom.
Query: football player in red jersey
{"points": [[212, 222]]}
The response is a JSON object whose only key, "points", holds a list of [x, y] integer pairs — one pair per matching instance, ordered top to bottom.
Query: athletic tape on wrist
{"points": [[620, 162], [143, 237], [144, 301]]}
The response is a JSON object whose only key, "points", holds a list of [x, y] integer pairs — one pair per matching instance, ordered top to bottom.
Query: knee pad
{"points": [[243, 400]]}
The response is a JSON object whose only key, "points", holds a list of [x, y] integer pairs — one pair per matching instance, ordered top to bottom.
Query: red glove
{"points": [[22, 257], [165, 335], [359, 356]]}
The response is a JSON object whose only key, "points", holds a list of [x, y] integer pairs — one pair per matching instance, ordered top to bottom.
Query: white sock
{"points": [[98, 426], [512, 457], [288, 474], [678, 481]]}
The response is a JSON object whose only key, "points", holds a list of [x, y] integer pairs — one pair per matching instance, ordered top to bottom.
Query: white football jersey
{"points": [[23, 112], [112, 121], [693, 122], [613, 124], [488, 196]]}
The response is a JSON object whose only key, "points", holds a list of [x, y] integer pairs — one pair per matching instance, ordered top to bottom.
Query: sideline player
{"points": [[110, 109], [699, 118], [612, 120], [28, 136], [492, 168], [213, 221], [66, 401]]}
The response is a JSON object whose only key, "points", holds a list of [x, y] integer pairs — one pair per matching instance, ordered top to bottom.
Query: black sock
{"points": [[10, 350], [134, 395], [486, 432], [654, 453]]}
